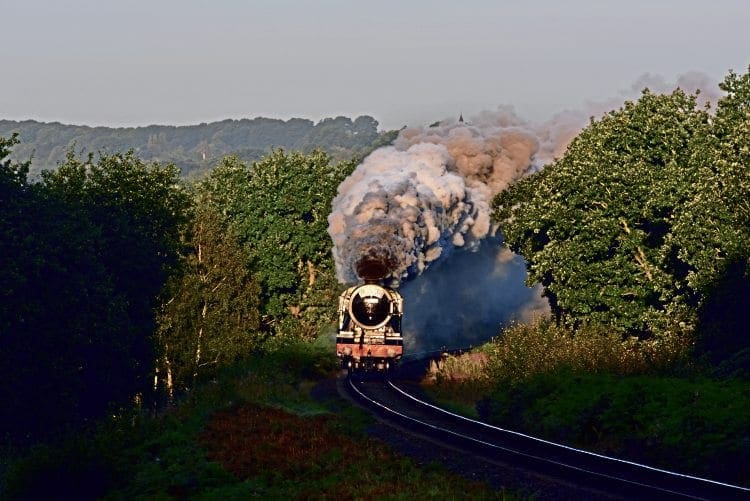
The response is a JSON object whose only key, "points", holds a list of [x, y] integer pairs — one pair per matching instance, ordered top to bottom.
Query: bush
{"points": [[525, 350], [701, 426]]}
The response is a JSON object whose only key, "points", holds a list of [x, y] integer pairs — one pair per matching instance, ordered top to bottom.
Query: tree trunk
{"points": [[204, 311], [170, 382]]}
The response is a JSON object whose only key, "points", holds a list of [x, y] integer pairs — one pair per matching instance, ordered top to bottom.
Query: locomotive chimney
{"points": [[373, 268]]}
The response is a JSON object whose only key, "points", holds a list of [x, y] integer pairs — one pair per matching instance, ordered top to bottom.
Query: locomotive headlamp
{"points": [[370, 304]]}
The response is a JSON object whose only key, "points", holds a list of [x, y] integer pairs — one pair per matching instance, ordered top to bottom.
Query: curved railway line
{"points": [[596, 474]]}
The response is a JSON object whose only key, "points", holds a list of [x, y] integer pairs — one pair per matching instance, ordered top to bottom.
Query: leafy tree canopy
{"points": [[278, 208], [642, 217], [593, 226], [713, 229], [85, 254], [211, 314]]}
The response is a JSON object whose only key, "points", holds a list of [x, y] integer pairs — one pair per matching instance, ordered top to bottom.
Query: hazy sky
{"points": [[404, 62]]}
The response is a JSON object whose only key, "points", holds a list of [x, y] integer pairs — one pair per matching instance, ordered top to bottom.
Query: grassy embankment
{"points": [[638, 400], [253, 431]]}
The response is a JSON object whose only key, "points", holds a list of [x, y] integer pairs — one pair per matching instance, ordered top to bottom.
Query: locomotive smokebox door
{"points": [[370, 306]]}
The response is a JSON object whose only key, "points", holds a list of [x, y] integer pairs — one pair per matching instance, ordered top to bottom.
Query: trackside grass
{"points": [[252, 431]]}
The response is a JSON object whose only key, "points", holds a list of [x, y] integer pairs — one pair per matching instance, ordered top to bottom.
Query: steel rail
{"points": [[569, 448], [535, 457]]}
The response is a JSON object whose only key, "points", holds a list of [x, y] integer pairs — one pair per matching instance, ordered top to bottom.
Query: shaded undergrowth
{"points": [[252, 431]]}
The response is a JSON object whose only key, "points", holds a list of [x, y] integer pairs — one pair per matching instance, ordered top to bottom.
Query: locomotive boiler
{"points": [[369, 328]]}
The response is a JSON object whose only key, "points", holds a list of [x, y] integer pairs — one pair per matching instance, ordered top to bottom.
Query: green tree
{"points": [[720, 204], [278, 208], [136, 211], [595, 226], [712, 231], [85, 253], [56, 311], [211, 316]]}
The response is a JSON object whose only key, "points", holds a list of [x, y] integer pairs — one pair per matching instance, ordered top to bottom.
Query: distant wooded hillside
{"points": [[195, 148]]}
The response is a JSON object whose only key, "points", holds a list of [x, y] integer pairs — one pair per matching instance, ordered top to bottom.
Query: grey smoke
{"points": [[408, 205], [462, 301]]}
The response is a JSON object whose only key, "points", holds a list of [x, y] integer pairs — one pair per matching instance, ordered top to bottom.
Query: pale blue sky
{"points": [[404, 62]]}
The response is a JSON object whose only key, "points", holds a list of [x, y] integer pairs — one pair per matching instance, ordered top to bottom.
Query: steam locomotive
{"points": [[369, 329]]}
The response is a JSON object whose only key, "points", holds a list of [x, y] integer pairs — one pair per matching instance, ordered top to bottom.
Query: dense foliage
{"points": [[195, 149], [278, 208], [643, 216], [593, 225], [285, 230], [712, 230], [88, 250], [85, 255], [257, 263], [210, 316]]}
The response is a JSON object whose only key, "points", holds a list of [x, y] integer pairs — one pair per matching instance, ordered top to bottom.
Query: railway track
{"points": [[607, 476]]}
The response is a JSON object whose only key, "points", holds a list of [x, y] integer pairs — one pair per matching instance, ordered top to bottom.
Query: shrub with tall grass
{"points": [[523, 350], [458, 381], [641, 399]]}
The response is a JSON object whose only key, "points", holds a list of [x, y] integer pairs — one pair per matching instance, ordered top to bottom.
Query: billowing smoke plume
{"points": [[412, 203]]}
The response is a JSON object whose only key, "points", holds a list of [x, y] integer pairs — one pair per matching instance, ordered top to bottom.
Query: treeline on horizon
{"points": [[194, 149]]}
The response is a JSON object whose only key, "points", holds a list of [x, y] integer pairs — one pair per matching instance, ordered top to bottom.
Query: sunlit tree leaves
{"points": [[283, 223], [644, 224], [594, 225], [712, 231], [210, 317]]}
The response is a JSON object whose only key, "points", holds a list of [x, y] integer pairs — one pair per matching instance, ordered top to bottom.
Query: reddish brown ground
{"points": [[250, 440]]}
